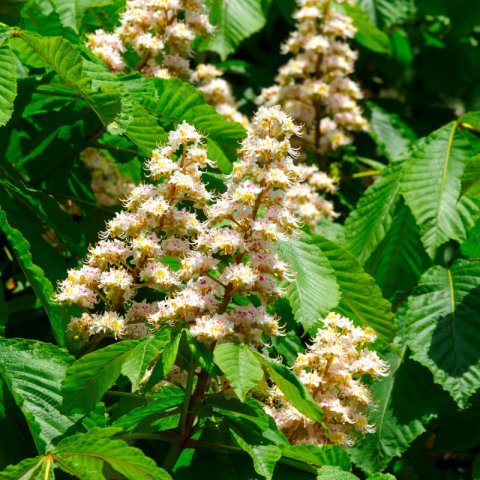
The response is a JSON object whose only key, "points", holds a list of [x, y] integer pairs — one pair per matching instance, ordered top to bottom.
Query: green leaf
{"points": [[66, 10], [385, 13], [235, 21], [368, 35], [8, 81], [102, 90], [174, 101], [390, 133], [471, 178], [431, 185], [46, 209], [368, 224], [471, 246], [400, 259], [36, 276], [315, 290], [361, 298], [3, 311], [442, 327], [144, 355], [165, 362], [240, 366], [33, 372], [93, 374], [292, 388], [406, 401], [161, 404], [85, 455], [318, 455], [264, 457], [214, 463], [28, 469], [334, 473], [381, 476]]}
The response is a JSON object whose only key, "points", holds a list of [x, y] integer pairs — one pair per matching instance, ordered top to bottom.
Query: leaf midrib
{"points": [[446, 162]]}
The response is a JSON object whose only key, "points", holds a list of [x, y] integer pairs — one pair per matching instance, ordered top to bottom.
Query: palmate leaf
{"points": [[235, 21], [8, 80], [102, 90], [431, 185], [368, 224], [400, 259], [314, 291], [361, 298], [442, 327], [240, 366], [33, 372], [92, 375], [407, 400], [85, 455]]}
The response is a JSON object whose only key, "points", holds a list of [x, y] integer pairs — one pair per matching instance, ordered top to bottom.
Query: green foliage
{"points": [[385, 13], [236, 20], [368, 35], [8, 83], [173, 101], [391, 134], [431, 185], [368, 223], [403, 256], [399, 260], [36, 276], [315, 290], [361, 299], [441, 327], [240, 366], [33, 372], [92, 375], [292, 388], [407, 401], [85, 455], [316, 455], [264, 456], [334, 473]]}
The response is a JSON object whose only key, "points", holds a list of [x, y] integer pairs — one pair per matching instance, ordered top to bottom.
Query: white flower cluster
{"points": [[159, 31], [313, 86], [218, 92], [108, 184], [310, 206], [201, 256], [332, 370]]}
